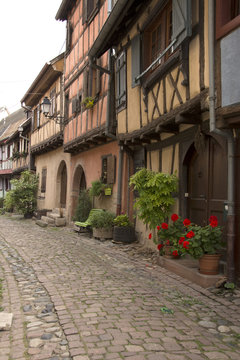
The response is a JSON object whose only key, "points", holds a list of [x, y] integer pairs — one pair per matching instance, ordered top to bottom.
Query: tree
{"points": [[24, 193]]}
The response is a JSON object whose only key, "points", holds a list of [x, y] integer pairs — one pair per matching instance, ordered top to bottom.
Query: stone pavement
{"points": [[73, 297]]}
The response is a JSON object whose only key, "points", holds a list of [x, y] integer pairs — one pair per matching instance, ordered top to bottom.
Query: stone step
{"points": [[59, 211], [53, 215], [48, 220], [41, 223]]}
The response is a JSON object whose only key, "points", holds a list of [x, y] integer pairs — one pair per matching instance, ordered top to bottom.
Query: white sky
{"points": [[29, 37]]}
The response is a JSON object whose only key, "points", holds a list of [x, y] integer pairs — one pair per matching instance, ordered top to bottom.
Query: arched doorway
{"points": [[206, 180], [79, 184], [62, 185]]}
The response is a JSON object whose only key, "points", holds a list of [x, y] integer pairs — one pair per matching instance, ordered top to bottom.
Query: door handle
{"points": [[202, 196]]}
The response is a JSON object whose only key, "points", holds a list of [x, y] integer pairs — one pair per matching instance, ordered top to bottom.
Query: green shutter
{"points": [[181, 20], [135, 46]]}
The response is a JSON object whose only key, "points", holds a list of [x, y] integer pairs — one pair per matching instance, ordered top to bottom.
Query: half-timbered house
{"points": [[225, 95], [163, 99], [89, 131], [10, 150], [48, 158]]}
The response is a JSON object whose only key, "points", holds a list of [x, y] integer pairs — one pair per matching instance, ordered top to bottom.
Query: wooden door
{"points": [[207, 183], [63, 193]]}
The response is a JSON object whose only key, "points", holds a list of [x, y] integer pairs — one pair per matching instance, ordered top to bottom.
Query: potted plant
{"points": [[88, 102], [102, 224], [123, 230], [170, 237], [205, 243]]}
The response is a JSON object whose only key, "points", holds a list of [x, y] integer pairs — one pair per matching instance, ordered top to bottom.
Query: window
{"points": [[90, 8], [227, 16], [169, 22], [121, 81], [53, 102], [108, 169], [44, 180]]}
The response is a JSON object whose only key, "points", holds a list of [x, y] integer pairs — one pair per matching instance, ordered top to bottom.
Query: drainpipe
{"points": [[109, 103], [231, 148], [119, 189]]}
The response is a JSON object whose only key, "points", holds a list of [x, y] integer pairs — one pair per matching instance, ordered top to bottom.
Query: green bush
{"points": [[97, 188], [23, 197], [155, 199], [9, 201], [1, 202], [83, 208], [102, 219], [122, 221]]}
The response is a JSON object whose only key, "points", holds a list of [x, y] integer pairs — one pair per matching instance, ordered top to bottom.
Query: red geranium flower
{"points": [[174, 217], [212, 218], [186, 222], [214, 223], [164, 226], [158, 227], [190, 234], [150, 236], [181, 240], [167, 242], [185, 244], [159, 246], [175, 253]]}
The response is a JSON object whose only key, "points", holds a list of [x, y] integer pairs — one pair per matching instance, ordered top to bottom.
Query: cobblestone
{"points": [[75, 298]]}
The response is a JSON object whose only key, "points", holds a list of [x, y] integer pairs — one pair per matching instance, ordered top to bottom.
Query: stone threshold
{"points": [[188, 269]]}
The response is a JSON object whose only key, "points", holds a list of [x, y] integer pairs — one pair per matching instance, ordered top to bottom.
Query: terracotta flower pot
{"points": [[168, 251], [209, 264]]}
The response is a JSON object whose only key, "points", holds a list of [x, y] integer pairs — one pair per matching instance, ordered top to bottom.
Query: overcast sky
{"points": [[29, 37]]}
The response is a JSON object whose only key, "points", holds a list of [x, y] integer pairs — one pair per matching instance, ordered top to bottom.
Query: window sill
{"points": [[150, 80]]}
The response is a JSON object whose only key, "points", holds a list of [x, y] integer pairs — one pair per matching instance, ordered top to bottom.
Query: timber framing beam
{"points": [[186, 113]]}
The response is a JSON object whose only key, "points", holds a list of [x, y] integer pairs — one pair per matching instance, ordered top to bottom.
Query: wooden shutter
{"points": [[84, 11], [181, 20], [69, 36], [135, 46], [98, 78], [121, 79], [85, 84], [38, 116], [111, 169], [44, 180]]}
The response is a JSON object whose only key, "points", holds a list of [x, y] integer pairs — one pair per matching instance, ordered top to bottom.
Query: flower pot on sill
{"points": [[108, 191], [209, 264]]}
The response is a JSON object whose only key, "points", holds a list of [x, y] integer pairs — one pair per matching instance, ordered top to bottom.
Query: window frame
{"points": [[224, 25], [44, 180]]}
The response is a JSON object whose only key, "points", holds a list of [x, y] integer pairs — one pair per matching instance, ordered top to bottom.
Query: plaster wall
{"points": [[51, 161], [91, 163]]}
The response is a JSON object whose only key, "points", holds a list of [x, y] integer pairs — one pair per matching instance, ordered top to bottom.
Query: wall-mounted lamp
{"points": [[45, 108]]}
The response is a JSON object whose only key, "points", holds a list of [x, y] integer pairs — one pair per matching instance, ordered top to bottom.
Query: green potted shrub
{"points": [[97, 188], [102, 224], [123, 230]]}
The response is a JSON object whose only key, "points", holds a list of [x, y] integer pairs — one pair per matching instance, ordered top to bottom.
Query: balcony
{"points": [[20, 164]]}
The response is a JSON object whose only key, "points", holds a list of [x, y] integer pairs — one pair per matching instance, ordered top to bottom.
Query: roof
{"points": [[65, 7], [116, 25], [49, 73], [10, 124]]}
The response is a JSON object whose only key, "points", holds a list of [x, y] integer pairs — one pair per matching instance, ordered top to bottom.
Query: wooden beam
{"points": [[187, 119]]}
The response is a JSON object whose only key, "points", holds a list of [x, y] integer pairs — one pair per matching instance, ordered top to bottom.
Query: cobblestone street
{"points": [[74, 297]]}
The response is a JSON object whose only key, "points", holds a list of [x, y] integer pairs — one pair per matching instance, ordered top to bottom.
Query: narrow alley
{"points": [[74, 297]]}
